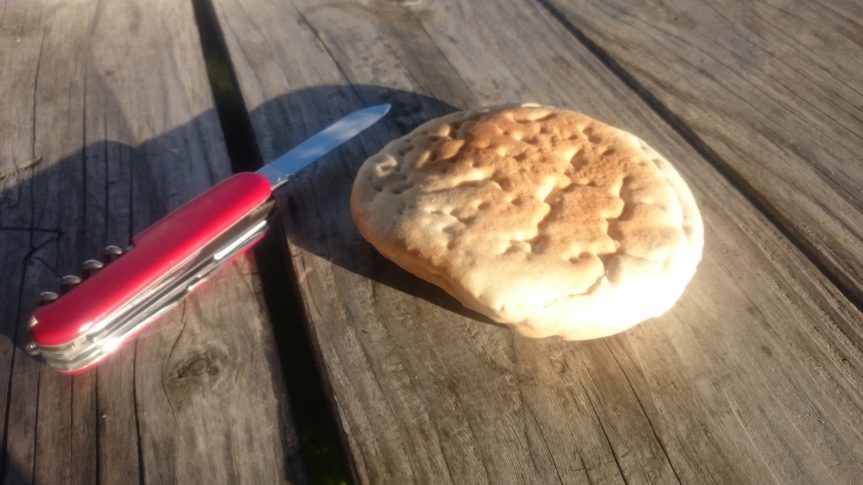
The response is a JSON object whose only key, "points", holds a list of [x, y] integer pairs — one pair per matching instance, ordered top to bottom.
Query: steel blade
{"points": [[280, 170]]}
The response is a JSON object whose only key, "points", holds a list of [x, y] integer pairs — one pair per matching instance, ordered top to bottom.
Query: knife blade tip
{"points": [[381, 109]]}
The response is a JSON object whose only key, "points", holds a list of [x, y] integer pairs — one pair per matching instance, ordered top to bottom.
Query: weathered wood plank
{"points": [[772, 88], [107, 124], [755, 376]]}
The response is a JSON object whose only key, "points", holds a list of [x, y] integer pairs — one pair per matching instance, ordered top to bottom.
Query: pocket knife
{"points": [[92, 315]]}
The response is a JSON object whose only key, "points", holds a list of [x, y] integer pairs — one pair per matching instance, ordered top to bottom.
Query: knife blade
{"points": [[280, 170], [95, 315]]}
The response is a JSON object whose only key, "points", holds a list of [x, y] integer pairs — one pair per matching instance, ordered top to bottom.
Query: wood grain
{"points": [[772, 91], [107, 124], [756, 376]]}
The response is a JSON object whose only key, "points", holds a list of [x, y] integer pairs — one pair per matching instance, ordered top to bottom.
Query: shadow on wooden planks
{"points": [[313, 221], [45, 254], [41, 255]]}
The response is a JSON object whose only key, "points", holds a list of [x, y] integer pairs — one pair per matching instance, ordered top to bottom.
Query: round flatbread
{"points": [[541, 218]]}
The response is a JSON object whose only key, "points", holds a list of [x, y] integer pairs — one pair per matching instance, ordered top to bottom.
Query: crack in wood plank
{"points": [[19, 168], [644, 412]]}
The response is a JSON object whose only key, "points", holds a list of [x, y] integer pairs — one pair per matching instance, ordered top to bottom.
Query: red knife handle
{"points": [[159, 252]]}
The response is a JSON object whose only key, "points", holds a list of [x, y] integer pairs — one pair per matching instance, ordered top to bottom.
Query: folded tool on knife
{"points": [[94, 316]]}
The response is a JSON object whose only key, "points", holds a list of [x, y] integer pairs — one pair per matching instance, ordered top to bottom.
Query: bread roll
{"points": [[541, 218]]}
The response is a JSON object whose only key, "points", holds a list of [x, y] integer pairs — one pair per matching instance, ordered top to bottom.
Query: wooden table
{"points": [[111, 117]]}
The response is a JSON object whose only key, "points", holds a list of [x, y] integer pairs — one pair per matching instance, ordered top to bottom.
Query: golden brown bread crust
{"points": [[541, 218]]}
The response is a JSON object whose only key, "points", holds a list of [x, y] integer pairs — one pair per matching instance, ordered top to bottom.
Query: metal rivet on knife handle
{"points": [[112, 253], [91, 266], [68, 282], [47, 297], [31, 349]]}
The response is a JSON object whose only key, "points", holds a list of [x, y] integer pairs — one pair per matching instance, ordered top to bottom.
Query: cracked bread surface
{"points": [[541, 218]]}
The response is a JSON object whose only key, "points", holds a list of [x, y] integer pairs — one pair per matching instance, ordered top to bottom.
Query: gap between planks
{"points": [[321, 448]]}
